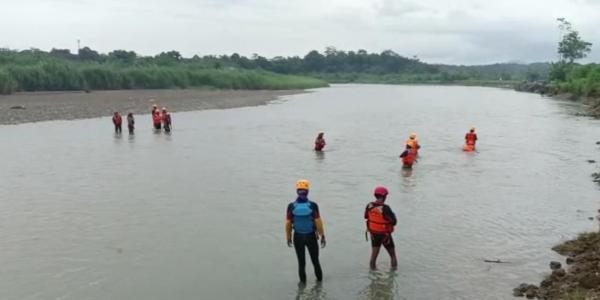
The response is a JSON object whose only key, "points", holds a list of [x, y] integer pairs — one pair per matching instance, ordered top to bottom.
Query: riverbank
{"points": [[548, 90], [48, 106], [579, 280]]}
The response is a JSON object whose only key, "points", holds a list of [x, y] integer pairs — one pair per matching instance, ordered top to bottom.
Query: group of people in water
{"points": [[160, 120], [304, 226]]}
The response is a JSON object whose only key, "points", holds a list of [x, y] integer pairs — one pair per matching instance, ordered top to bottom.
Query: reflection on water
{"points": [[199, 213], [382, 286], [314, 292]]}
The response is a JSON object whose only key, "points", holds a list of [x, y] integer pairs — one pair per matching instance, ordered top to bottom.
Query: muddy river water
{"points": [[199, 214]]}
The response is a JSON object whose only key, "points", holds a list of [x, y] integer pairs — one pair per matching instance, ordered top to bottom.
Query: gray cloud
{"points": [[463, 31]]}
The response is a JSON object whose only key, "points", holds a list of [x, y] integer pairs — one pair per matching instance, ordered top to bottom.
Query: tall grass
{"points": [[58, 76]]}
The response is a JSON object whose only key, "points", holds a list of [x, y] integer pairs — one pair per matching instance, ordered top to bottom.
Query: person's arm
{"points": [[404, 154], [389, 215], [319, 224], [288, 225]]}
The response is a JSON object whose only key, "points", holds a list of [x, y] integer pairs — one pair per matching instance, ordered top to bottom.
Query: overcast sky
{"points": [[440, 31]]}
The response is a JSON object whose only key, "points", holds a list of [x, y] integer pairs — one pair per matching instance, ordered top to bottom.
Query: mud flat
{"points": [[48, 106]]}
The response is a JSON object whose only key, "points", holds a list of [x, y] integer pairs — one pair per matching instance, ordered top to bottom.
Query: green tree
{"points": [[571, 47]]}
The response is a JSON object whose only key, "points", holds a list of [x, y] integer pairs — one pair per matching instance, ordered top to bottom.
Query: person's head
{"points": [[154, 106], [164, 109], [116, 113], [130, 114], [472, 129], [321, 135], [413, 136], [302, 188], [380, 193]]}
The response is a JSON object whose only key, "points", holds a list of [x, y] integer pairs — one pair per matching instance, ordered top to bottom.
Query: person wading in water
{"points": [[304, 220], [380, 224]]}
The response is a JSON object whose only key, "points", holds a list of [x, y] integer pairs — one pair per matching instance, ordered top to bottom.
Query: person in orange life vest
{"points": [[156, 119], [166, 119], [117, 121], [471, 137], [320, 142], [413, 142], [409, 157], [304, 219], [380, 224]]}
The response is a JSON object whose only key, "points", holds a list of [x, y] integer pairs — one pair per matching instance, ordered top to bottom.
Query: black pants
{"points": [[157, 126], [167, 127], [117, 128], [131, 129], [309, 241]]}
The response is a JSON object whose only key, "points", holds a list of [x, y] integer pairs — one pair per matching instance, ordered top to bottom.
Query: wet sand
{"points": [[47, 106]]}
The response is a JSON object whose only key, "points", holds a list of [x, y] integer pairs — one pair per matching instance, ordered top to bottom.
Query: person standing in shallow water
{"points": [[156, 119], [166, 119], [117, 121], [130, 123], [320, 142], [304, 220], [380, 224]]}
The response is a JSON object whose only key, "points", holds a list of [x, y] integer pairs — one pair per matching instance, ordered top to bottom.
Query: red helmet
{"points": [[380, 190]]}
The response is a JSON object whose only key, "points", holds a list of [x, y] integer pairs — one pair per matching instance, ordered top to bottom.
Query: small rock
{"points": [[17, 107], [598, 143], [591, 161], [591, 218], [570, 260], [554, 265], [559, 273], [590, 281], [546, 282], [531, 292]]}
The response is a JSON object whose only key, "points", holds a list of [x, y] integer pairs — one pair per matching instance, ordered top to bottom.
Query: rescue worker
{"points": [[156, 119], [166, 119], [117, 121], [130, 123], [471, 138], [320, 142], [413, 142], [409, 157], [304, 220], [380, 224]]}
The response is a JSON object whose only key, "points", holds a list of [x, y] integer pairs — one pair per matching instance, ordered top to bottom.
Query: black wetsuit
{"points": [[306, 240]]}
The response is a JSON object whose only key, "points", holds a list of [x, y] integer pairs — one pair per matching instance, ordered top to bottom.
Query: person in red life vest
{"points": [[154, 109], [156, 119], [166, 119], [117, 121], [130, 123], [471, 138], [320, 142], [409, 157], [380, 225]]}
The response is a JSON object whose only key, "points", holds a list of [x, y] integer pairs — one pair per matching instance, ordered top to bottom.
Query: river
{"points": [[199, 214]]}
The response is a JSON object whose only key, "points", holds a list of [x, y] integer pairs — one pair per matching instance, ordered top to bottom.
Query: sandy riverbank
{"points": [[47, 106]]}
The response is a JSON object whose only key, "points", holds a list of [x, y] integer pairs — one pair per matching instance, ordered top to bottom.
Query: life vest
{"points": [[156, 118], [167, 118], [117, 120], [471, 138], [319, 144], [469, 148], [410, 157], [303, 217], [376, 223]]}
